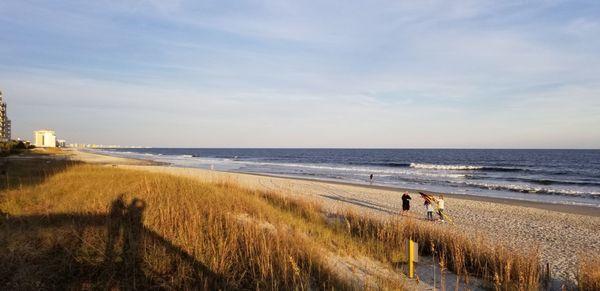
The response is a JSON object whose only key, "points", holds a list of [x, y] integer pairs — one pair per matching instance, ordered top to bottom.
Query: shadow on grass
{"points": [[30, 170], [358, 202], [114, 251]]}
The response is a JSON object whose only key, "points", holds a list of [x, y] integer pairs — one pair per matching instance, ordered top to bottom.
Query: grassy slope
{"points": [[81, 226], [191, 234]]}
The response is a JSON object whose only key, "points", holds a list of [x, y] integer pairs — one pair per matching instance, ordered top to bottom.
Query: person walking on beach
{"points": [[371, 179], [405, 203], [441, 207], [429, 208]]}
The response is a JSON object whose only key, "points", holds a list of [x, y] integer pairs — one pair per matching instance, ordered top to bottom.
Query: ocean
{"points": [[554, 176]]}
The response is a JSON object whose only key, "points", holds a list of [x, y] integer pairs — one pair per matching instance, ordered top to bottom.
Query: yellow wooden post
{"points": [[411, 259]]}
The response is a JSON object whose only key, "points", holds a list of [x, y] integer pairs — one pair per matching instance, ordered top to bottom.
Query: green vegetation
{"points": [[12, 147]]}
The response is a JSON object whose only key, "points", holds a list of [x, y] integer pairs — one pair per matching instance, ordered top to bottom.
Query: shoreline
{"points": [[555, 207], [564, 208]]}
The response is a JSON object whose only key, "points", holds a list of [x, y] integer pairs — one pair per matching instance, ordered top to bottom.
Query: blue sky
{"points": [[469, 74]]}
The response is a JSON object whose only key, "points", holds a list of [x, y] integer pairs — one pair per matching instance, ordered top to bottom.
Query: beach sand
{"points": [[84, 156], [561, 233]]}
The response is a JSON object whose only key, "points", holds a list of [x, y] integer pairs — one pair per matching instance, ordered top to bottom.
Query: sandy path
{"points": [[560, 236]]}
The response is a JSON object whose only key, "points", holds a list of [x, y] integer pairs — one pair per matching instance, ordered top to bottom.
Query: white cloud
{"points": [[378, 74]]}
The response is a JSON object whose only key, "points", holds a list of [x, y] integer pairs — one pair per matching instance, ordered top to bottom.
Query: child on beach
{"points": [[441, 207], [429, 208]]}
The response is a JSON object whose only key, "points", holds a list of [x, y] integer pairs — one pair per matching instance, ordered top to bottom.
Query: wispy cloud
{"points": [[288, 73]]}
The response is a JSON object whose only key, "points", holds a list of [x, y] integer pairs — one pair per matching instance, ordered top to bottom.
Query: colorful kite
{"points": [[434, 201]]}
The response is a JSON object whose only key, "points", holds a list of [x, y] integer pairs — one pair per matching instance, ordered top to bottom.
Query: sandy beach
{"points": [[562, 233]]}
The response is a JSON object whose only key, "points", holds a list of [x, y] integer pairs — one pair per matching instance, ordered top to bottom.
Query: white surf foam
{"points": [[444, 167]]}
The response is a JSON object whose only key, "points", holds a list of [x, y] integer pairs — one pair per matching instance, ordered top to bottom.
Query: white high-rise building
{"points": [[4, 121], [45, 138]]}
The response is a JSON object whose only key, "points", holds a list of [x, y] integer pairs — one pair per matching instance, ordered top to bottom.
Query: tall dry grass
{"points": [[181, 217], [213, 235], [505, 268], [588, 273]]}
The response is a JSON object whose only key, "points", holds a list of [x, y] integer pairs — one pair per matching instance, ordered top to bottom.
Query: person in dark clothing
{"points": [[371, 179], [405, 203]]}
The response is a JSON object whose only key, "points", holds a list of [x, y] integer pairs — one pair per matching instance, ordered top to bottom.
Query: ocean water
{"points": [[555, 176]]}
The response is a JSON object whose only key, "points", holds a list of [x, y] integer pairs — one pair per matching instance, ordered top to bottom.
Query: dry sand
{"points": [[93, 158], [560, 235]]}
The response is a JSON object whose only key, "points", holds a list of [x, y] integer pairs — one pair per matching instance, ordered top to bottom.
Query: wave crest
{"points": [[444, 167], [464, 168], [532, 189]]}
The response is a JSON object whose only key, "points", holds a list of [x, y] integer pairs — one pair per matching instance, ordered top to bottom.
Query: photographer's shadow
{"points": [[126, 229], [135, 257]]}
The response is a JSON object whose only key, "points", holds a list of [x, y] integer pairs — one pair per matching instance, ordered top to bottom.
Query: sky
{"points": [[349, 74]]}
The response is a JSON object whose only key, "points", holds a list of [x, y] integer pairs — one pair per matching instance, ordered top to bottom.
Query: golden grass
{"points": [[77, 229], [55, 231], [505, 268], [588, 273]]}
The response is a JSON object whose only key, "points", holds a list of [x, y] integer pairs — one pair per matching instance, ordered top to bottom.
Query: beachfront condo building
{"points": [[4, 121], [45, 138]]}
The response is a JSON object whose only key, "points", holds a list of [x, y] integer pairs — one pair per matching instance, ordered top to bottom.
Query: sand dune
{"points": [[560, 235]]}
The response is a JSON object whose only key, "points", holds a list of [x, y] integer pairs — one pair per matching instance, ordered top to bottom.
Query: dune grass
{"points": [[85, 226], [165, 232], [503, 267], [588, 273]]}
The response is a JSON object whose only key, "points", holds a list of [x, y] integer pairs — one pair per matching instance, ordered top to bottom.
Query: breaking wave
{"points": [[391, 164], [444, 167], [464, 168], [357, 169], [555, 182], [531, 189]]}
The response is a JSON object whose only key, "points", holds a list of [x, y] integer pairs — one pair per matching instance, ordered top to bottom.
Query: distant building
{"points": [[4, 121], [45, 138], [61, 143]]}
